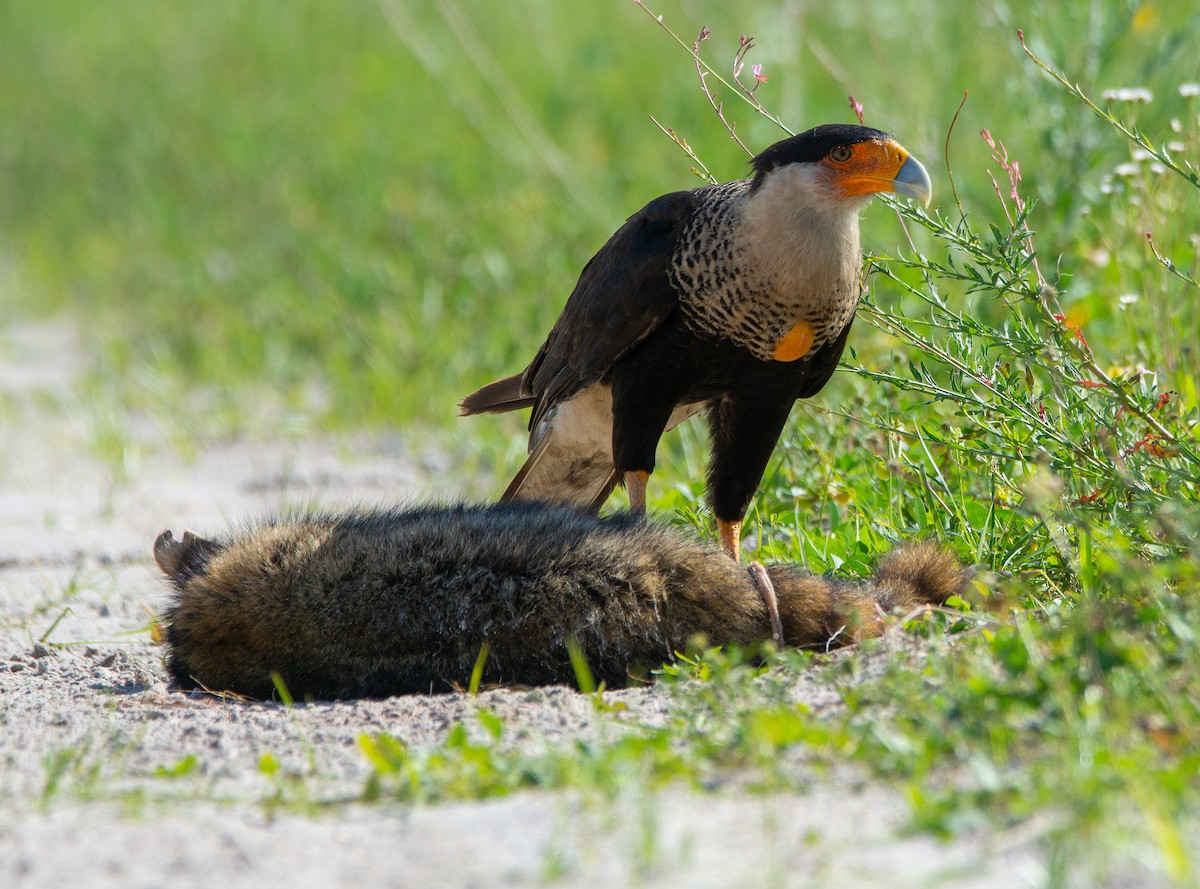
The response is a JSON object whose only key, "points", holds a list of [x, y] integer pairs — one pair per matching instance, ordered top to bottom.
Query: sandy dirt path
{"points": [[90, 733]]}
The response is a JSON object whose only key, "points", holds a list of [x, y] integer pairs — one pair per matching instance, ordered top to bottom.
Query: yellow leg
{"points": [[635, 485], [731, 538]]}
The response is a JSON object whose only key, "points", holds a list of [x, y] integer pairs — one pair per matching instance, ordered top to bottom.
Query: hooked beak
{"points": [[912, 180]]}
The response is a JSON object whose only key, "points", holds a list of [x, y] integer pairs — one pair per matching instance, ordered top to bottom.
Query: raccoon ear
{"points": [[168, 553], [176, 558]]}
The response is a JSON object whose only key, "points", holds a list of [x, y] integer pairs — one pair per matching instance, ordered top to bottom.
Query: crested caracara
{"points": [[735, 299]]}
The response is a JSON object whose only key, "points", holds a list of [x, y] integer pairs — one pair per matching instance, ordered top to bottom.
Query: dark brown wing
{"points": [[623, 294]]}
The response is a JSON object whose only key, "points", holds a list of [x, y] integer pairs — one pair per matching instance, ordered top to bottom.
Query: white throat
{"points": [[802, 232]]}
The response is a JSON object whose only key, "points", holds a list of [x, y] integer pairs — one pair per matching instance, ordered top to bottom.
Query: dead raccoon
{"points": [[370, 604]]}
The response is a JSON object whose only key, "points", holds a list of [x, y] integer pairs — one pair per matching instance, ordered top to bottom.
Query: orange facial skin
{"points": [[866, 168]]}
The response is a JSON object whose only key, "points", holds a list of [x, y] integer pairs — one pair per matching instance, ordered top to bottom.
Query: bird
{"points": [[734, 299], [403, 600]]}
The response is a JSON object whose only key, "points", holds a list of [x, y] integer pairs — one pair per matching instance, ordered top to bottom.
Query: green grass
{"points": [[301, 201], [356, 213]]}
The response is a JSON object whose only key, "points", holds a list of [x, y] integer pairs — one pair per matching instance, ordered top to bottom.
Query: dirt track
{"points": [[89, 729]]}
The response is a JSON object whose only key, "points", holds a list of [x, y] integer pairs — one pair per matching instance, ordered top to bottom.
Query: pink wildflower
{"points": [[857, 107]]}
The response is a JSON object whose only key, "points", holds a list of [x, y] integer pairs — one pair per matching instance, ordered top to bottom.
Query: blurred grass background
{"points": [[360, 211], [285, 217]]}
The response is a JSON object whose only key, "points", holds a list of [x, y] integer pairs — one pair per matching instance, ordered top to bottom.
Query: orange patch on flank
{"points": [[795, 343]]}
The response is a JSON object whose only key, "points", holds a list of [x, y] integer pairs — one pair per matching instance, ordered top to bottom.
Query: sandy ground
{"points": [[88, 725]]}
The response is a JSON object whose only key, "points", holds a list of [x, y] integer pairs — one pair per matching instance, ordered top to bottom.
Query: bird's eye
{"points": [[841, 154]]}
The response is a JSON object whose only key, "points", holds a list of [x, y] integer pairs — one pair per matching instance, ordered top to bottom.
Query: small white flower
{"points": [[1189, 90], [1131, 94], [1176, 147], [1141, 154], [1157, 169], [1127, 170], [1127, 299]]}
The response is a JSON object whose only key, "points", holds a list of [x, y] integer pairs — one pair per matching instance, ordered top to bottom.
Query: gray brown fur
{"points": [[401, 601]]}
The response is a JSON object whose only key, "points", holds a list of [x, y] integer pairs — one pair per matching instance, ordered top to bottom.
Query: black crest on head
{"points": [[810, 146]]}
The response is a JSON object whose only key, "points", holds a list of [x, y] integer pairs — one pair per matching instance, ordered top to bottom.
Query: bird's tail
{"points": [[496, 398], [570, 445], [570, 459], [557, 471]]}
